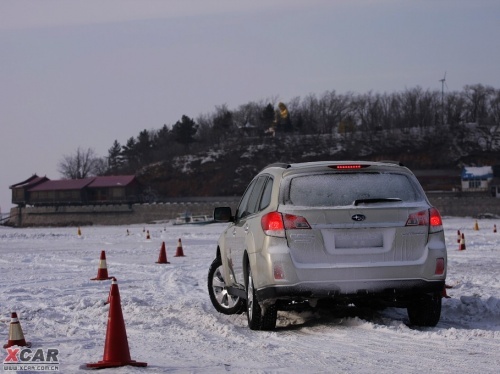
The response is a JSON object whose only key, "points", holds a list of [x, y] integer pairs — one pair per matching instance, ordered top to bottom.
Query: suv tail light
{"points": [[430, 218], [435, 221], [295, 222], [272, 224], [275, 224]]}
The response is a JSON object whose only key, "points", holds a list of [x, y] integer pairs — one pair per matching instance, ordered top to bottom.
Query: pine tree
{"points": [[184, 131], [115, 159]]}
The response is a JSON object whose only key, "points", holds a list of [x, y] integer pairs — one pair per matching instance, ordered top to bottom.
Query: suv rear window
{"points": [[341, 189]]}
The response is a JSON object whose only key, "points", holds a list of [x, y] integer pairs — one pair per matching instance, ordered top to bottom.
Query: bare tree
{"points": [[477, 97], [333, 109], [81, 164]]}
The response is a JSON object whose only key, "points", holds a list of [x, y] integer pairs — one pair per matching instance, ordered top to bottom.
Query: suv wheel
{"points": [[222, 301], [426, 311], [259, 319]]}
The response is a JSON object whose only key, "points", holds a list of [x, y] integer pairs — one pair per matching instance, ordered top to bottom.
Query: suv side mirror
{"points": [[223, 214]]}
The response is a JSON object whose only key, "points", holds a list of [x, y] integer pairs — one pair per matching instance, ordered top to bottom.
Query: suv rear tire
{"points": [[426, 311], [259, 319]]}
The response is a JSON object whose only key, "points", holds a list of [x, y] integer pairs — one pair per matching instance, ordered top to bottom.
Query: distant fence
{"points": [[448, 203], [464, 204], [121, 214]]}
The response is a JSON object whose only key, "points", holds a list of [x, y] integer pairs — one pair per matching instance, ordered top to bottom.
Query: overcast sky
{"points": [[83, 73]]}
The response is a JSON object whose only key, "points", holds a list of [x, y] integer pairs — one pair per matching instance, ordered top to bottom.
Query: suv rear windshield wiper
{"points": [[377, 200]]}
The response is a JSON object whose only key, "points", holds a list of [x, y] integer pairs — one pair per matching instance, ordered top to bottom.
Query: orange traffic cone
{"points": [[476, 226], [79, 232], [458, 236], [461, 247], [179, 252], [162, 259], [102, 271], [16, 336], [116, 351]]}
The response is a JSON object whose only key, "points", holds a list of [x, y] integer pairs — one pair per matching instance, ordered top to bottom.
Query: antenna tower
{"points": [[443, 82]]}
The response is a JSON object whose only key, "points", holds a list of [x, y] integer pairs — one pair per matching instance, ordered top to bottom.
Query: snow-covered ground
{"points": [[171, 324]]}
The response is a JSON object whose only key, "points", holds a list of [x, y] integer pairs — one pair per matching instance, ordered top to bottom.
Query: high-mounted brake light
{"points": [[338, 167], [274, 223]]}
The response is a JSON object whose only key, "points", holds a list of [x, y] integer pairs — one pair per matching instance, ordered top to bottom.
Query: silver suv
{"points": [[318, 233]]}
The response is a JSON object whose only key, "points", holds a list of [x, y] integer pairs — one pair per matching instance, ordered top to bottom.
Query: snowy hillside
{"points": [[226, 169], [171, 324]]}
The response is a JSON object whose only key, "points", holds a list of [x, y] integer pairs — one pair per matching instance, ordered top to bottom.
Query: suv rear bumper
{"points": [[390, 290]]}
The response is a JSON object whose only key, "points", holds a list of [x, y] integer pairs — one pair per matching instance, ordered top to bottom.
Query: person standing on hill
{"points": [[282, 120]]}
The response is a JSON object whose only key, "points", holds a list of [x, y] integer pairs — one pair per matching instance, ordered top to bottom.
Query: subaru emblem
{"points": [[358, 217]]}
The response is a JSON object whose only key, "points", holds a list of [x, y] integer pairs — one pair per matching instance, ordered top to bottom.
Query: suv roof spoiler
{"points": [[285, 165]]}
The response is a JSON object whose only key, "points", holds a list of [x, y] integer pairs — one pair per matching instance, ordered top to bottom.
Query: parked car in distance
{"points": [[487, 216], [323, 233]]}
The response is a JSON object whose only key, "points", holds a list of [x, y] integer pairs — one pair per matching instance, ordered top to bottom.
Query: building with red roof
{"points": [[20, 190], [38, 191]]}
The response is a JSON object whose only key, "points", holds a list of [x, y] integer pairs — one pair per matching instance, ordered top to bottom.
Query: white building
{"points": [[476, 178]]}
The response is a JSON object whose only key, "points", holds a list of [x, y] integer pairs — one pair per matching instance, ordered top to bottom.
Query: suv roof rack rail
{"points": [[392, 162], [283, 165]]}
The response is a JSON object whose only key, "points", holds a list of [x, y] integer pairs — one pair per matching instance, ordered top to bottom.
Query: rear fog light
{"points": [[439, 266], [278, 271]]}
